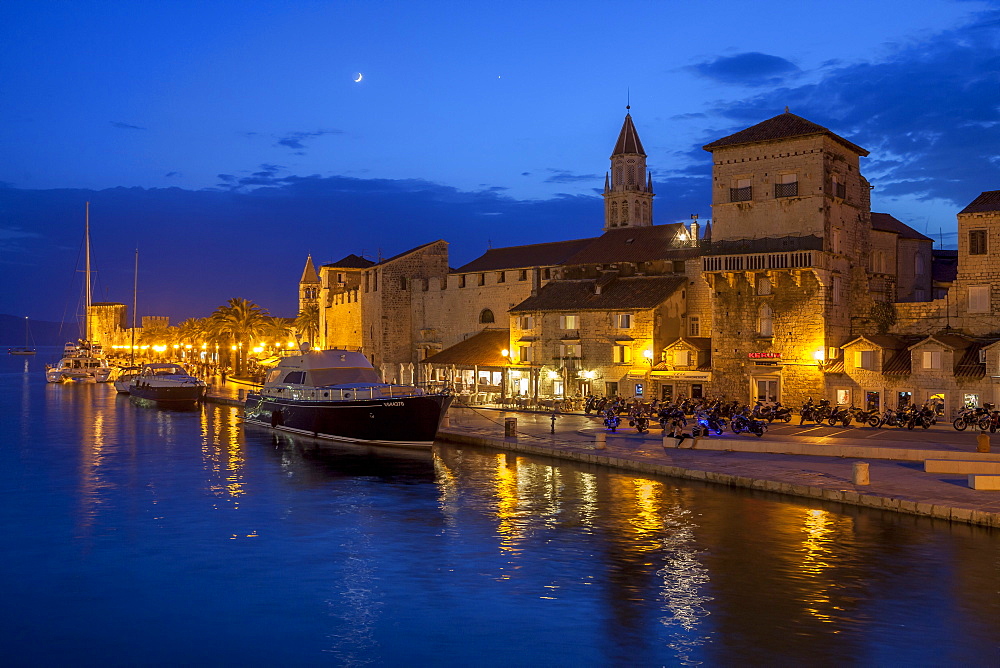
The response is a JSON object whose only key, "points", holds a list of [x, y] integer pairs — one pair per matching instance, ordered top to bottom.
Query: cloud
{"points": [[748, 69], [929, 113], [125, 126], [295, 140], [172, 174], [564, 176]]}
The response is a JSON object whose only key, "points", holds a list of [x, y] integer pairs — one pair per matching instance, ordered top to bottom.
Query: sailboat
{"points": [[26, 349], [83, 362]]}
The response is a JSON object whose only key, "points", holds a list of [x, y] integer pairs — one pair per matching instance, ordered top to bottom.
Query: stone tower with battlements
{"points": [[628, 187]]}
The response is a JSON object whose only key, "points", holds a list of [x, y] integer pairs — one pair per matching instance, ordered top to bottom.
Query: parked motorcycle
{"points": [[611, 420]]}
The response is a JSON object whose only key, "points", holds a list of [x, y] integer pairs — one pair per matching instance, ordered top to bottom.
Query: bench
{"points": [[961, 467], [984, 482]]}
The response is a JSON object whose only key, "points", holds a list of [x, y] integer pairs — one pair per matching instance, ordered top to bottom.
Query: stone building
{"points": [[794, 289], [107, 323]]}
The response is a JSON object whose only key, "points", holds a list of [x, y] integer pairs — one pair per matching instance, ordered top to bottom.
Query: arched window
{"points": [[614, 213], [624, 213], [486, 317], [765, 320]]}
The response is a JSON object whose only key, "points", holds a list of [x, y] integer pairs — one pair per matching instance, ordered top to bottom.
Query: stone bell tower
{"points": [[628, 187], [309, 286]]}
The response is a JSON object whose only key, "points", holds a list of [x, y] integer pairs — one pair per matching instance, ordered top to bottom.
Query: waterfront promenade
{"points": [[811, 461]]}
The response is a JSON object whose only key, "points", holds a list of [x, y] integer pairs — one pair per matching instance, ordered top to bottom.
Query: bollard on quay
{"points": [[553, 418], [510, 428], [600, 441], [983, 442], [861, 476]]}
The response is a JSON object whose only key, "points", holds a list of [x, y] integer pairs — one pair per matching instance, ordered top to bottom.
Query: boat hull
{"points": [[177, 396], [407, 421]]}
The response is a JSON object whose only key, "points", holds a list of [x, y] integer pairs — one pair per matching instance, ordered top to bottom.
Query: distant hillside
{"points": [[42, 333]]}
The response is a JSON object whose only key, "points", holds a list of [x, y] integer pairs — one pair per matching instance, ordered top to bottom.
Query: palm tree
{"points": [[242, 322], [307, 323]]}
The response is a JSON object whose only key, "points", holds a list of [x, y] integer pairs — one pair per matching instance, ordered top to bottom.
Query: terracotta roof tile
{"points": [[782, 126], [987, 201], [884, 222], [634, 244], [518, 257], [351, 262], [634, 292], [482, 349], [898, 364], [969, 365]]}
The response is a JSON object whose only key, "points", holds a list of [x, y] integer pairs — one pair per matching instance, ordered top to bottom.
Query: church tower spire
{"points": [[628, 193], [309, 286]]}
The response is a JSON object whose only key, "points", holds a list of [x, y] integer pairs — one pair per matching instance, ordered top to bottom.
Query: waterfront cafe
{"points": [[476, 368]]}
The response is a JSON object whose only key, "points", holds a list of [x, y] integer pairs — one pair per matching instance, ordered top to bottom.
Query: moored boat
{"points": [[25, 349], [84, 364], [124, 377], [168, 385], [337, 395]]}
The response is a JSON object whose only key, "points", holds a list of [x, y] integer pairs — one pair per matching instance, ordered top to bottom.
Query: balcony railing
{"points": [[786, 189], [744, 194], [759, 261]]}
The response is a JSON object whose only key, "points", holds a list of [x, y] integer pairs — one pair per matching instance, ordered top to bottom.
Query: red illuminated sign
{"points": [[764, 356]]}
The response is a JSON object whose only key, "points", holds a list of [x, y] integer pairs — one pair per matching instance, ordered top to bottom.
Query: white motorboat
{"points": [[167, 384]]}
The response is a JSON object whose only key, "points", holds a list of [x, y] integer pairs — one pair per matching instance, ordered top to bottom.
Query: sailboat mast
{"points": [[86, 273], [135, 291]]}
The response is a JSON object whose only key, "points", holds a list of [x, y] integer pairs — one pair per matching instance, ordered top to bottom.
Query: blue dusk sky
{"points": [[228, 140]]}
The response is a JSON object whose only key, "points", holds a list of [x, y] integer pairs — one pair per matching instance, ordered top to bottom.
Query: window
{"points": [[787, 185], [837, 187], [741, 192], [835, 241], [977, 242], [919, 265], [522, 275], [501, 277], [482, 279], [461, 281], [402, 282], [763, 285], [835, 290], [979, 299], [486, 316], [624, 320], [765, 320], [527, 322], [569, 322], [694, 326], [569, 350], [525, 354], [621, 354], [982, 356], [682, 358], [864, 359], [932, 359], [843, 397], [903, 399]]}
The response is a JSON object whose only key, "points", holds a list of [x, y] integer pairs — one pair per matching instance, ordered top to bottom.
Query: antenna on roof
{"points": [[628, 99], [786, 109], [489, 244]]}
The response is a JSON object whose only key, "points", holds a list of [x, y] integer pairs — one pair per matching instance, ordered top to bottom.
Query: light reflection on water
{"points": [[133, 527]]}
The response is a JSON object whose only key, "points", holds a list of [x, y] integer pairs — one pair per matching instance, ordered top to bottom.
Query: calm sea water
{"points": [[134, 536]]}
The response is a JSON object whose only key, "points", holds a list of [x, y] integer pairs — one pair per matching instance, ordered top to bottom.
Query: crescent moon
{"points": [[360, 77]]}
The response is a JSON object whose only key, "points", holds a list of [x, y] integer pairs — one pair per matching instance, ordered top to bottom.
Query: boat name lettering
{"points": [[393, 403]]}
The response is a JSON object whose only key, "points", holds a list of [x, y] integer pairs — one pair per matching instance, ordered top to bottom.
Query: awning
{"points": [[638, 372]]}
